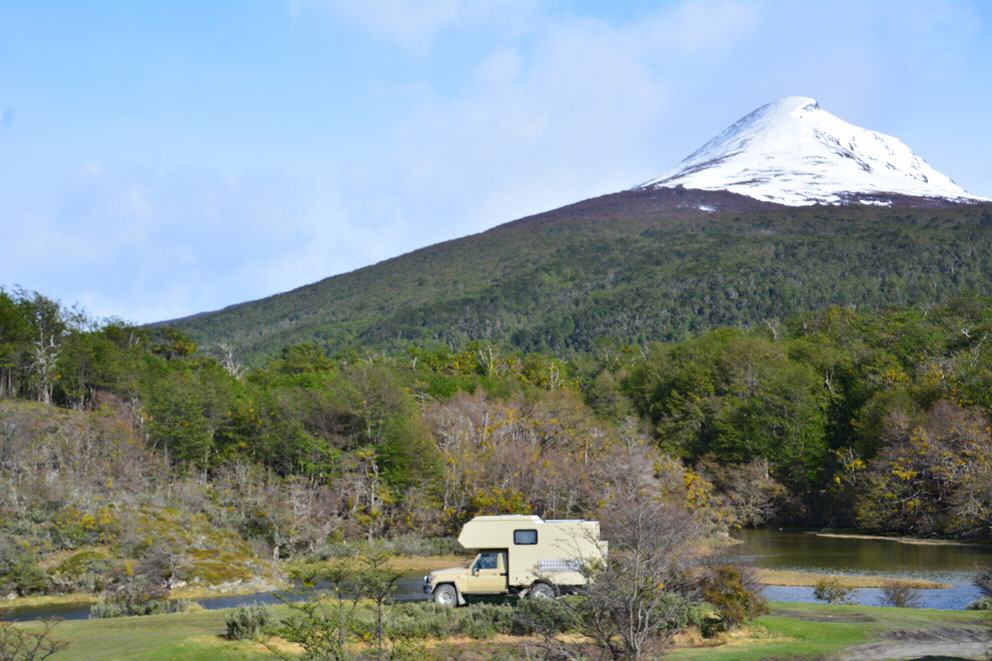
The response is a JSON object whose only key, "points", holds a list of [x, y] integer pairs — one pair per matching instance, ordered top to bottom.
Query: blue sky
{"points": [[164, 158]]}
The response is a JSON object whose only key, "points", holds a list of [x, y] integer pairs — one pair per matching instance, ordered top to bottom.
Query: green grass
{"points": [[805, 630], [790, 631], [180, 636]]}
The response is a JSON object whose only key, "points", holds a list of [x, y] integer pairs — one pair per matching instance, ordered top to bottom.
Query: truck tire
{"points": [[541, 591], [446, 595]]}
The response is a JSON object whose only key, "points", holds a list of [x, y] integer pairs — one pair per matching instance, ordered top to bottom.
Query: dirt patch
{"points": [[941, 642]]}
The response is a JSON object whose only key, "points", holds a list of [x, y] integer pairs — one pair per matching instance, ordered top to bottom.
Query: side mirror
{"points": [[475, 570]]}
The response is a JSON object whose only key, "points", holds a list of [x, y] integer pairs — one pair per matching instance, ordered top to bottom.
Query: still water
{"points": [[946, 563], [953, 564], [409, 588]]}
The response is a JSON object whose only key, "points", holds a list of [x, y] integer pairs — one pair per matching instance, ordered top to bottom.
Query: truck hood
{"points": [[447, 573]]}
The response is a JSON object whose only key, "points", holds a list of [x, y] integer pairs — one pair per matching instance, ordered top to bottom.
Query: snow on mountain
{"points": [[794, 152]]}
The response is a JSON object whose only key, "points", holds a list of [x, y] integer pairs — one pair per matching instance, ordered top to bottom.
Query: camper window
{"points": [[524, 537]]}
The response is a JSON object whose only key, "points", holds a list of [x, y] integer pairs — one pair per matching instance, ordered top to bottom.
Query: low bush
{"points": [[85, 571], [20, 572], [983, 581], [831, 591], [900, 595], [735, 599], [983, 604], [108, 606], [544, 617], [706, 618], [412, 621], [417, 621], [481, 621], [248, 622]]}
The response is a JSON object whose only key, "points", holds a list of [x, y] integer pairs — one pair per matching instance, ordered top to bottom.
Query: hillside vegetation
{"points": [[635, 267], [131, 462]]}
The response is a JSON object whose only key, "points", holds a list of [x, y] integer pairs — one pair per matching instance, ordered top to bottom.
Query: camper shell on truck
{"points": [[521, 555]]}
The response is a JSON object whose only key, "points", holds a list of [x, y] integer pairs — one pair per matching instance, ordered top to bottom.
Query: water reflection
{"points": [[801, 550], [946, 563]]}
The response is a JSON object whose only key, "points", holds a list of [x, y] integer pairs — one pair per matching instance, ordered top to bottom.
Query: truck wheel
{"points": [[541, 591], [446, 595]]}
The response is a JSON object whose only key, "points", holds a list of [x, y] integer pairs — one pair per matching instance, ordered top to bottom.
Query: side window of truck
{"points": [[524, 537], [486, 561]]}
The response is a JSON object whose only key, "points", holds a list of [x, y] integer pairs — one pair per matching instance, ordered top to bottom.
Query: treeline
{"points": [[878, 421]]}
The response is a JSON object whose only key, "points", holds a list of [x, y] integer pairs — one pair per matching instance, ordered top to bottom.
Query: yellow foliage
{"points": [[905, 474]]}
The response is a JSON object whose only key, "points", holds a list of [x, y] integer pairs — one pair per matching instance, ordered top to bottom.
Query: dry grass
{"points": [[427, 563], [809, 579], [37, 600]]}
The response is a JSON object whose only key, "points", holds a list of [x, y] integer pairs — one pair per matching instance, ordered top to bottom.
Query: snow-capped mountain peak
{"points": [[794, 152]]}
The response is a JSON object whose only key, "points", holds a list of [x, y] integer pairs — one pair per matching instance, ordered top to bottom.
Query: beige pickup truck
{"points": [[521, 555]]}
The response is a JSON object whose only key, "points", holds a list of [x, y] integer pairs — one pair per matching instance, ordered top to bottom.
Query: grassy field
{"points": [[814, 630], [789, 631]]}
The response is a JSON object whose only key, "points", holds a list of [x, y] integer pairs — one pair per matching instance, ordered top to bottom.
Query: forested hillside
{"points": [[634, 267], [128, 452]]}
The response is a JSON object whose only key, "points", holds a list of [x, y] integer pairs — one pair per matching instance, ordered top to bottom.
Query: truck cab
{"points": [[519, 555], [488, 573]]}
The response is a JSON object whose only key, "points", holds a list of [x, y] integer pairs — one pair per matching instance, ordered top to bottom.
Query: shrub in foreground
{"points": [[727, 589], [545, 617], [413, 621], [248, 622]]}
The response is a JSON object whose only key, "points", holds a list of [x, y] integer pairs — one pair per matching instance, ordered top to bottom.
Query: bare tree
{"points": [[44, 359], [229, 360], [639, 598], [20, 644]]}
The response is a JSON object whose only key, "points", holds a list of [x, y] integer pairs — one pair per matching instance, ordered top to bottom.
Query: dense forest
{"points": [[634, 267], [123, 446]]}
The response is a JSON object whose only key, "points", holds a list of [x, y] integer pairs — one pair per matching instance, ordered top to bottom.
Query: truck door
{"points": [[488, 574]]}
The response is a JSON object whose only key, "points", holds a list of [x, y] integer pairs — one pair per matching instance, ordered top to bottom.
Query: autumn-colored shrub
{"points": [[727, 589]]}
